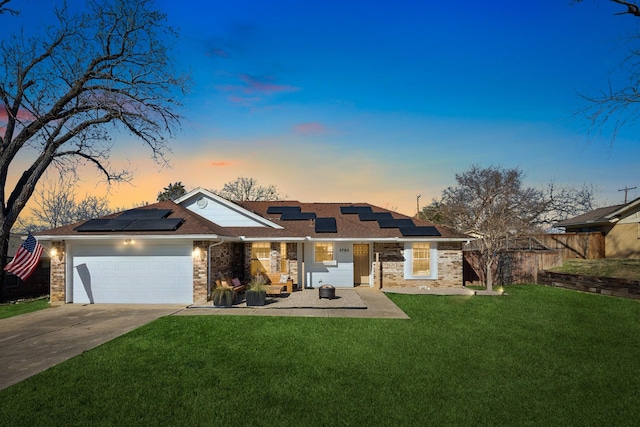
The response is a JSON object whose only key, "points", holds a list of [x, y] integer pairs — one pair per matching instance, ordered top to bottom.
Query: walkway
{"points": [[305, 303]]}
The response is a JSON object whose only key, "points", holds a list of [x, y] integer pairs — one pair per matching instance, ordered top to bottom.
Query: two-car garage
{"points": [[130, 271]]}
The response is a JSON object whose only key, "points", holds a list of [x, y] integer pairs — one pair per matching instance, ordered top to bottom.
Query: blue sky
{"points": [[352, 101]]}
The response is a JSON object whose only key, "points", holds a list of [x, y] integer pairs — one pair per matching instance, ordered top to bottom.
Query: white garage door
{"points": [[139, 273]]}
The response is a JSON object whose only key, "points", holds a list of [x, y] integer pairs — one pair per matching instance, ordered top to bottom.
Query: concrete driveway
{"points": [[34, 342]]}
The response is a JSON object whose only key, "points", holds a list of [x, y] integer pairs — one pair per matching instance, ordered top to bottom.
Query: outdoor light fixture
{"points": [[128, 242], [54, 252], [198, 253]]}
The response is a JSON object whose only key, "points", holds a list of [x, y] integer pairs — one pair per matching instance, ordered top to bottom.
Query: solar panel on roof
{"points": [[282, 209], [354, 209], [145, 213], [297, 216], [374, 216], [395, 223], [117, 224], [162, 224], [104, 225], [326, 225], [419, 231]]}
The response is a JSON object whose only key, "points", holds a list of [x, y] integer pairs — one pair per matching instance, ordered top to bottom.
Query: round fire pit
{"points": [[326, 291]]}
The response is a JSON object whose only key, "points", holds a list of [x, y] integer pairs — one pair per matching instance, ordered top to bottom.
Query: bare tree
{"points": [[4, 9], [64, 91], [616, 106], [247, 189], [171, 192], [563, 202], [490, 203], [56, 205]]}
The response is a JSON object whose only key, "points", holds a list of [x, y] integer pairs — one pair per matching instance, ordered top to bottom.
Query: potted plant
{"points": [[256, 295], [223, 296]]}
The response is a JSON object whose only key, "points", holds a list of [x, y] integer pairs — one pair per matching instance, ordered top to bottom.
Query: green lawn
{"points": [[620, 268], [10, 310], [540, 356]]}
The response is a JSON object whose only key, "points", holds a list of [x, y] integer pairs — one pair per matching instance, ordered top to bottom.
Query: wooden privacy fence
{"points": [[575, 245], [514, 266]]}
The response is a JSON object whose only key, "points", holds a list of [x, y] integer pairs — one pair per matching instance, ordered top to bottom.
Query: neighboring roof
{"points": [[600, 216], [292, 220], [192, 225]]}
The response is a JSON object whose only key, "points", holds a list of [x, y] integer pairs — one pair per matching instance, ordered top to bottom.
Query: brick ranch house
{"points": [[171, 252]]}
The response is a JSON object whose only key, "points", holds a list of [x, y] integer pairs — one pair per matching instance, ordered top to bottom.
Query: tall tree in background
{"points": [[64, 90], [618, 105], [247, 189], [171, 192], [493, 203], [56, 204]]}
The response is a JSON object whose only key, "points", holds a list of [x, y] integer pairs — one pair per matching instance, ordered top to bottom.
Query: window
{"points": [[324, 252], [260, 257], [421, 259]]}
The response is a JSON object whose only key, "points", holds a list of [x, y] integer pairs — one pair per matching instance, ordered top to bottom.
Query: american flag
{"points": [[26, 259]]}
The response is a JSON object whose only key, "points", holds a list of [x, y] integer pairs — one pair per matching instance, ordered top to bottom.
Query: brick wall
{"points": [[389, 268], [200, 273], [58, 274]]}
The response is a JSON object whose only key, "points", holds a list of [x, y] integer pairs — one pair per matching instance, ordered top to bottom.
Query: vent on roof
{"points": [[326, 225]]}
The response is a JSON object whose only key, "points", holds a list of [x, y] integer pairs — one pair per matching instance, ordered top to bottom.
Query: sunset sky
{"points": [[361, 101]]}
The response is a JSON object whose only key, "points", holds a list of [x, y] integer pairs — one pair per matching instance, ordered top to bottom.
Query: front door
{"points": [[361, 264]]}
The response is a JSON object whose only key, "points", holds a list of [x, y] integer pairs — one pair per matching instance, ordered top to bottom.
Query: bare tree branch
{"points": [[69, 89], [247, 189]]}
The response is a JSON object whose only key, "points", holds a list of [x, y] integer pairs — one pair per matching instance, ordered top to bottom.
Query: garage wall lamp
{"points": [[129, 242], [54, 252], [198, 253]]}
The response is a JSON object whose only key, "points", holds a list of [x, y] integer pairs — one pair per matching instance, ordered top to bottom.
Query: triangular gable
{"points": [[626, 210], [222, 211]]}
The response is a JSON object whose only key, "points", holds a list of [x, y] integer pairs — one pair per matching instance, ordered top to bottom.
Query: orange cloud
{"points": [[221, 163]]}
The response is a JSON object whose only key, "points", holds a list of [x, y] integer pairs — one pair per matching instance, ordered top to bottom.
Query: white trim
{"points": [[228, 204], [112, 236]]}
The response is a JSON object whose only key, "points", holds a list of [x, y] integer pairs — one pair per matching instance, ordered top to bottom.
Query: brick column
{"points": [[200, 258], [58, 273]]}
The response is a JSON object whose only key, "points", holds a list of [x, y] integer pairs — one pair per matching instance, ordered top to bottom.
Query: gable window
{"points": [[323, 252], [260, 257], [420, 260]]}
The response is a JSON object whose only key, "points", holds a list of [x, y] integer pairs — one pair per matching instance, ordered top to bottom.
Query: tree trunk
{"points": [[4, 249], [488, 279]]}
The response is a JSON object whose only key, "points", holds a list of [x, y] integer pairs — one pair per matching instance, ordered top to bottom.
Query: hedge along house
{"points": [[171, 252]]}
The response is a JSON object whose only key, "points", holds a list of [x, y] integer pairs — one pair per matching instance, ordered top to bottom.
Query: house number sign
{"points": [[343, 250]]}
